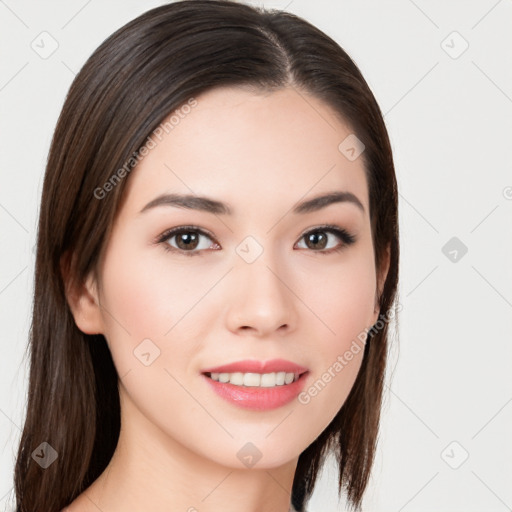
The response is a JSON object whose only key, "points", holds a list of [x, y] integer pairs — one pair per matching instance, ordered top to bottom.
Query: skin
{"points": [[261, 153]]}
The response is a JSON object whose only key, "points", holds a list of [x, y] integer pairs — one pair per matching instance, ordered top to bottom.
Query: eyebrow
{"points": [[209, 205]]}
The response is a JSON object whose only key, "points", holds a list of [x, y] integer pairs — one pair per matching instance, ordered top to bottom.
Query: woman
{"points": [[217, 259]]}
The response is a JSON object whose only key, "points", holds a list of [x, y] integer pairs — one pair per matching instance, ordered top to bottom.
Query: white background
{"points": [[450, 125]]}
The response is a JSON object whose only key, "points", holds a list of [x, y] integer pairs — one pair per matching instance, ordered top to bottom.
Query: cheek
{"points": [[148, 296], [342, 296], [136, 304], [344, 306], [150, 316]]}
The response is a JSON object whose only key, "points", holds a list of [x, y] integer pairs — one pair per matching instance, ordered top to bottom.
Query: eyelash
{"points": [[346, 238]]}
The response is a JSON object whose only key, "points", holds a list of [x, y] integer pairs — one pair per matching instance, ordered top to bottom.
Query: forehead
{"points": [[248, 148]]}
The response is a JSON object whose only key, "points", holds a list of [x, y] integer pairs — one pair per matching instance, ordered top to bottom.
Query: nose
{"points": [[261, 301]]}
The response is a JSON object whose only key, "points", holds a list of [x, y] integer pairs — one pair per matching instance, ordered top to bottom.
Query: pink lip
{"points": [[253, 366], [258, 398]]}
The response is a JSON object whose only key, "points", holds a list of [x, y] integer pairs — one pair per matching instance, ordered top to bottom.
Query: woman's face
{"points": [[261, 283]]}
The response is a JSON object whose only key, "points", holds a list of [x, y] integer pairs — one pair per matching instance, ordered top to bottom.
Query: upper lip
{"points": [[254, 366]]}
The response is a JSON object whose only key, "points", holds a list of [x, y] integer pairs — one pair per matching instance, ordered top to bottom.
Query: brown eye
{"points": [[318, 239], [189, 241]]}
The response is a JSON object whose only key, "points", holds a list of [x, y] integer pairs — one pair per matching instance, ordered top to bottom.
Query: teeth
{"points": [[280, 378], [252, 379], [265, 380]]}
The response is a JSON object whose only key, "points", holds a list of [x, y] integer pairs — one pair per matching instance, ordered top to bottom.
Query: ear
{"points": [[381, 279], [83, 298]]}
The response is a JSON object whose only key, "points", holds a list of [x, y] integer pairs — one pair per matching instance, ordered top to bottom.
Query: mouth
{"points": [[257, 385]]}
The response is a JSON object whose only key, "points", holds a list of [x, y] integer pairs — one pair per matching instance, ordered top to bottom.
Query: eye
{"points": [[188, 238], [318, 239]]}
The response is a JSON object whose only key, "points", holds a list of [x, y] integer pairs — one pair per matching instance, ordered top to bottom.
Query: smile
{"points": [[265, 380]]}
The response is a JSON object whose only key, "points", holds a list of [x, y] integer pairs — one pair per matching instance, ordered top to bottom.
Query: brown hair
{"points": [[128, 86]]}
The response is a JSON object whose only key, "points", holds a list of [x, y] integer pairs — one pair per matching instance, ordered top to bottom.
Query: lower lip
{"points": [[258, 398]]}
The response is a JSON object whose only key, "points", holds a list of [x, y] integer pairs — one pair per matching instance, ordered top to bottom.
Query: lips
{"points": [[281, 382]]}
